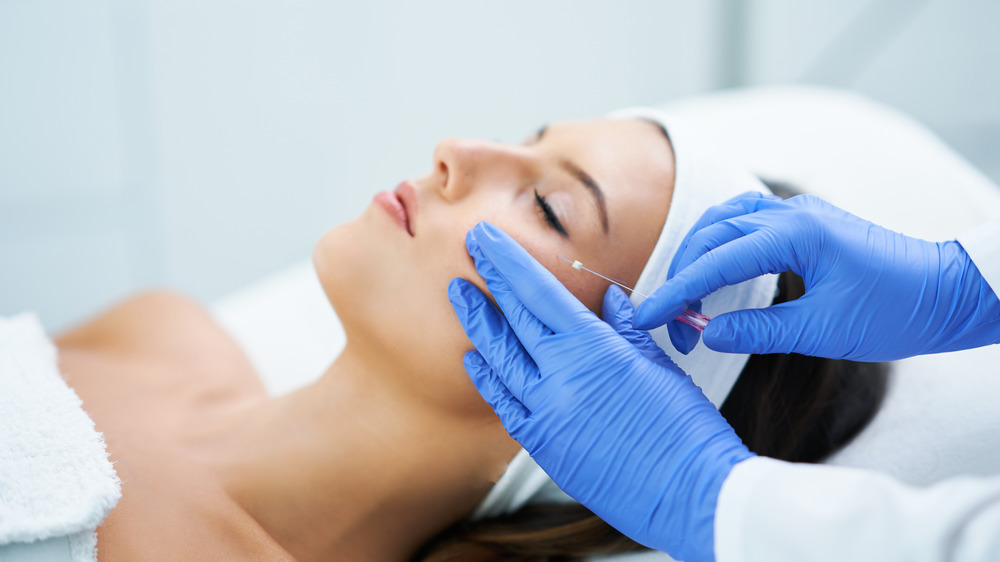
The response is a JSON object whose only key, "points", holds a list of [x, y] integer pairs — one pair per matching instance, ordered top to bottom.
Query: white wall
{"points": [[937, 60], [202, 144]]}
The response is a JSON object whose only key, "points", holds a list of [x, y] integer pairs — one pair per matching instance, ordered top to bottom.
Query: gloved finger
{"points": [[754, 196], [742, 204], [715, 228], [729, 229], [710, 238], [697, 243], [740, 260], [531, 283], [619, 313], [523, 321], [775, 329], [493, 336], [684, 337], [511, 412]]}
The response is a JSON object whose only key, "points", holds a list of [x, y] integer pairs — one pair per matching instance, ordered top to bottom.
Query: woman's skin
{"points": [[392, 443]]}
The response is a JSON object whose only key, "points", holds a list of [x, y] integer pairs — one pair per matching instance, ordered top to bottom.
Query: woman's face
{"points": [[594, 191]]}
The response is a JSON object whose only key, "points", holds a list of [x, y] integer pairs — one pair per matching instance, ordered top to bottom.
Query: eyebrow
{"points": [[584, 178]]}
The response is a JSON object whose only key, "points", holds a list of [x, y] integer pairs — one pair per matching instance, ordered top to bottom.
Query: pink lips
{"points": [[401, 204]]}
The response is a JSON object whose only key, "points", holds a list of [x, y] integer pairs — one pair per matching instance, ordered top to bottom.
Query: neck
{"points": [[352, 468]]}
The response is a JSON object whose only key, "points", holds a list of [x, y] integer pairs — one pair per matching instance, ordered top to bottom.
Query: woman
{"points": [[392, 445]]}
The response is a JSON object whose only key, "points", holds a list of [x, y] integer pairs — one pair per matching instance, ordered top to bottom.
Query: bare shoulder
{"points": [[159, 324]]}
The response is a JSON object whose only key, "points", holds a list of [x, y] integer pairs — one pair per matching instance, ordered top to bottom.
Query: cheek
{"points": [[537, 239], [586, 287], [589, 289], [391, 295]]}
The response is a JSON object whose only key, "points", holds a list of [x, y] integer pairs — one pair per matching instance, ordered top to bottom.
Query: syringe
{"points": [[694, 319]]}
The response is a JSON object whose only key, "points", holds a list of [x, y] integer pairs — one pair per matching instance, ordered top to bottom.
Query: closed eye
{"points": [[550, 217]]}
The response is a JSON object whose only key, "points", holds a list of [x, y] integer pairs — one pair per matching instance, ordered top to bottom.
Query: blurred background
{"points": [[203, 145]]}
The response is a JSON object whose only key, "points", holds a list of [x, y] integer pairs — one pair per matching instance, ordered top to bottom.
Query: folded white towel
{"points": [[55, 476]]}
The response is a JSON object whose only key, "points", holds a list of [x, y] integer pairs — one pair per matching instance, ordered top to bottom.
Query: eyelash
{"points": [[550, 217]]}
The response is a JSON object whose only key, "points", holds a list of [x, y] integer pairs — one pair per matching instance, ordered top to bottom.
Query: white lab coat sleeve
{"points": [[983, 245], [775, 511]]}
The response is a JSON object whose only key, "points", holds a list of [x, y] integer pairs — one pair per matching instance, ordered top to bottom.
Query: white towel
{"points": [[55, 476]]}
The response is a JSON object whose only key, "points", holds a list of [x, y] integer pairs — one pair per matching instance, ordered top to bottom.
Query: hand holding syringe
{"points": [[694, 319]]}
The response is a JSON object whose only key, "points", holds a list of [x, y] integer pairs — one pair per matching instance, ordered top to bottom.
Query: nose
{"points": [[465, 165]]}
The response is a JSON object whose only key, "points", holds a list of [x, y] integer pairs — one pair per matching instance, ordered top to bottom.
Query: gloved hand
{"points": [[871, 294], [597, 404]]}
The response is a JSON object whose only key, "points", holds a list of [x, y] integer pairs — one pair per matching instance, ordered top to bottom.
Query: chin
{"points": [[341, 260], [364, 274], [398, 313]]}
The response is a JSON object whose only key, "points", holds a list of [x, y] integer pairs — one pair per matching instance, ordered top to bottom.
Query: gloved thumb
{"points": [[617, 310], [620, 314], [774, 329]]}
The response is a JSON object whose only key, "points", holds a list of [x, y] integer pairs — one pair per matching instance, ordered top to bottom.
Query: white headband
{"points": [[699, 183]]}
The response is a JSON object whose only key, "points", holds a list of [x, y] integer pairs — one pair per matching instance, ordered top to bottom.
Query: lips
{"points": [[401, 205]]}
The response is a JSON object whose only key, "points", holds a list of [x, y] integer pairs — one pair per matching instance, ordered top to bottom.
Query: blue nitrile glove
{"points": [[871, 294], [597, 404]]}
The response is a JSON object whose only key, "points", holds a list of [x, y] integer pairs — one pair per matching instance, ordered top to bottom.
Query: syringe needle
{"points": [[578, 266], [694, 319]]}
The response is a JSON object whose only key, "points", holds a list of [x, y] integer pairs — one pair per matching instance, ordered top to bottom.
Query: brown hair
{"points": [[785, 406]]}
